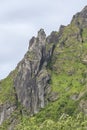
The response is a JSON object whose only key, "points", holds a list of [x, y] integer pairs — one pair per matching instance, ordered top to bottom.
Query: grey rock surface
{"points": [[32, 80], [5, 111]]}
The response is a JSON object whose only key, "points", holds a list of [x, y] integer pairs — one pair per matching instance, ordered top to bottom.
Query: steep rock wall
{"points": [[32, 79]]}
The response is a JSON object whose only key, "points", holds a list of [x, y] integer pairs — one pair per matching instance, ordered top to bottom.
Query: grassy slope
{"points": [[69, 80], [7, 93]]}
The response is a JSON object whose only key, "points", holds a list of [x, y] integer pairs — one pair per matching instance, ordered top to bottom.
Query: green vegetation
{"points": [[84, 34], [68, 70], [68, 79], [7, 93], [65, 122]]}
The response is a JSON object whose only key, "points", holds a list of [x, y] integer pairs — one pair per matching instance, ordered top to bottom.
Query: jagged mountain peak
{"points": [[84, 9], [80, 18], [41, 33], [39, 40], [53, 71], [32, 77]]}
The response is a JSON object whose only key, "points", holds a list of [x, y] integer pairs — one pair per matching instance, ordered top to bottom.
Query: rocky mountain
{"points": [[32, 80], [50, 82]]}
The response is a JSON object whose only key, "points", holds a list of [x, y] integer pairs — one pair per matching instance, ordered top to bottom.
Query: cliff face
{"points": [[54, 68], [32, 79]]}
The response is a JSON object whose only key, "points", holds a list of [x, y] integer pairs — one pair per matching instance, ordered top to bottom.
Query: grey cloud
{"points": [[21, 19]]}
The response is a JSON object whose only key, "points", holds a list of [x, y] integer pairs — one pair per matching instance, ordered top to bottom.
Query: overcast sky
{"points": [[21, 19]]}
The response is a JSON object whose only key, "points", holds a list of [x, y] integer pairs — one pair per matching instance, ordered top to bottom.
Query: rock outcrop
{"points": [[66, 51], [32, 79], [6, 111]]}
